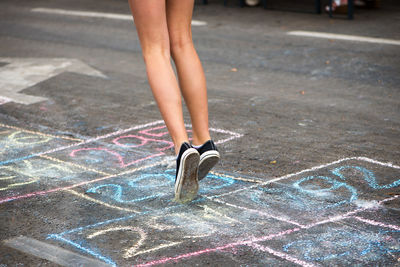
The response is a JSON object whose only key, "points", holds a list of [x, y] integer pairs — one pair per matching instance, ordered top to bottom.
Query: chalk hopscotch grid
{"points": [[107, 176], [232, 192], [253, 241], [247, 242]]}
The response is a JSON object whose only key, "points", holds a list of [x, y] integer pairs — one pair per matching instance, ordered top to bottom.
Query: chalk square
{"points": [[18, 144], [39, 174], [149, 188], [319, 194], [168, 232], [348, 242]]}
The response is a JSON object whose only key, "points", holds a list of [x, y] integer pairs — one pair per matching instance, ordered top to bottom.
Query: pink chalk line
{"points": [[146, 132], [122, 164], [304, 171], [40, 193], [394, 227], [259, 239], [282, 255]]}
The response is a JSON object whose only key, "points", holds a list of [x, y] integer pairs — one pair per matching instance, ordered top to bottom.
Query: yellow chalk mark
{"points": [[39, 133], [15, 140], [74, 164], [7, 178], [236, 178], [18, 184], [100, 202], [217, 215], [156, 225]]}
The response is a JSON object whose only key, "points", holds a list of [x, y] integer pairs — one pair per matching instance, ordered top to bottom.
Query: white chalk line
{"points": [[104, 15], [344, 37], [234, 135], [387, 164], [239, 178], [282, 255]]}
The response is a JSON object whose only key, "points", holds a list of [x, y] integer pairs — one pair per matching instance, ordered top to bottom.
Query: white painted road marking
{"points": [[97, 15], [345, 37], [22, 73], [51, 253]]}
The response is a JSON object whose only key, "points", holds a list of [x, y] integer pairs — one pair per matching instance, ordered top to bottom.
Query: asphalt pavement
{"points": [[305, 111]]}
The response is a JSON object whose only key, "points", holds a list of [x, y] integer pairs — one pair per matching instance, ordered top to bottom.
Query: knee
{"points": [[179, 44], [151, 53]]}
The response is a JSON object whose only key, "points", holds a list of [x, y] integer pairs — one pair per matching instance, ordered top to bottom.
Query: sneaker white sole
{"points": [[207, 161], [186, 185]]}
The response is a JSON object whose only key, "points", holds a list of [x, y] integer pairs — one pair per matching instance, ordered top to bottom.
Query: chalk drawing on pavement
{"points": [[322, 187], [310, 217]]}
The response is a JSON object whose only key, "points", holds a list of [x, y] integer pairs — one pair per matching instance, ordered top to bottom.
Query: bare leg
{"points": [[151, 24], [192, 80]]}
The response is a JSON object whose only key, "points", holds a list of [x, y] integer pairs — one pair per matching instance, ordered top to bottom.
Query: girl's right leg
{"points": [[151, 24], [192, 80]]}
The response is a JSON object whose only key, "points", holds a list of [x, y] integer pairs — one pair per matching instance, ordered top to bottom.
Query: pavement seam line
{"points": [[51, 253]]}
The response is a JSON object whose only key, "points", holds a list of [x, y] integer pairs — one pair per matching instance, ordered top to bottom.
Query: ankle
{"points": [[198, 141], [177, 146]]}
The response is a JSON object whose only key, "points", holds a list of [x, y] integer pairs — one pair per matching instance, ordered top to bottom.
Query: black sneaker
{"points": [[209, 157], [187, 165]]}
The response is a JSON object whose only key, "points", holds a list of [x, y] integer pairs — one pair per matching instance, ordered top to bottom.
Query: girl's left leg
{"points": [[191, 76]]}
